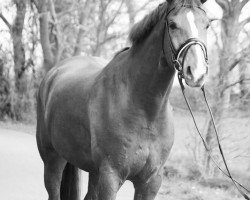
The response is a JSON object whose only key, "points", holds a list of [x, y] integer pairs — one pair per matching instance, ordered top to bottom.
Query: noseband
{"points": [[183, 49]]}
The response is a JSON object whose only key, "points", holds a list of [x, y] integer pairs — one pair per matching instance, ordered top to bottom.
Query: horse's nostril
{"points": [[189, 72]]}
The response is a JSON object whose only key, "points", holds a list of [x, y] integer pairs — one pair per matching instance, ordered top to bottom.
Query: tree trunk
{"points": [[131, 12], [83, 14], [230, 29], [50, 33], [45, 35], [18, 47], [1, 67], [244, 86], [4, 93]]}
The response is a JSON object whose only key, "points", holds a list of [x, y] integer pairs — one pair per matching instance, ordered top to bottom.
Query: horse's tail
{"points": [[70, 185]]}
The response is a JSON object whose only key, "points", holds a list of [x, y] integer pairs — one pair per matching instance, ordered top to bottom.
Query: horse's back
{"points": [[76, 70], [62, 105]]}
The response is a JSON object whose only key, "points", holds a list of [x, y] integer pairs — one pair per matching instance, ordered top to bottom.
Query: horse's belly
{"points": [[69, 131], [73, 143]]}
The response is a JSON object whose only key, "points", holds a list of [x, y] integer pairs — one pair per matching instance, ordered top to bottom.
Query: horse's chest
{"points": [[125, 137], [153, 142], [145, 149]]}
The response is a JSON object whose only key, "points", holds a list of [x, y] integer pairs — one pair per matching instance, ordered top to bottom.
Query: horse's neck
{"points": [[152, 77]]}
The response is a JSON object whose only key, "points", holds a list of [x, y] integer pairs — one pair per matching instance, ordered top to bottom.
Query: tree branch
{"points": [[35, 2], [243, 3], [223, 4], [74, 6], [143, 6], [83, 12], [5, 21], [111, 21], [245, 22], [57, 31], [111, 37], [217, 38], [244, 54], [235, 63], [235, 83]]}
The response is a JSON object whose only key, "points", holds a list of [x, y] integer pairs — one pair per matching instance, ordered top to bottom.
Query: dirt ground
{"points": [[21, 168]]}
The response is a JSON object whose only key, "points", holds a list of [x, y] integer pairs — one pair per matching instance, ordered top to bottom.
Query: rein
{"points": [[178, 65], [227, 173]]}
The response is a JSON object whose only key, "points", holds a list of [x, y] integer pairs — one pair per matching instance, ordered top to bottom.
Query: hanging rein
{"points": [[178, 65]]}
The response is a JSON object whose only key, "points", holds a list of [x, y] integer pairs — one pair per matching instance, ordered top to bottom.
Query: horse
{"points": [[116, 122]]}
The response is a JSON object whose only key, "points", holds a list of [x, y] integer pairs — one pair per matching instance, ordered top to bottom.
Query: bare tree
{"points": [[86, 19], [231, 56]]}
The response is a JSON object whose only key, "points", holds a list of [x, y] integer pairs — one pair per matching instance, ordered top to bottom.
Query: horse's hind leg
{"points": [[53, 169], [148, 190]]}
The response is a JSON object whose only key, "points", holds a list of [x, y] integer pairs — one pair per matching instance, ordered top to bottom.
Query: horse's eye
{"points": [[172, 25], [208, 25]]}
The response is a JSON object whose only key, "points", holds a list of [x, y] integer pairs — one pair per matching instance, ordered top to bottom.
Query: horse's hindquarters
{"points": [[62, 111]]}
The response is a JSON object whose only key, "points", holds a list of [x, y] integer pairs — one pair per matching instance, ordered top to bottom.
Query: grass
{"points": [[183, 180], [178, 184], [182, 189]]}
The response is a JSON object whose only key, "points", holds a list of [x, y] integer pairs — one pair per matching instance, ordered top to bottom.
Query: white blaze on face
{"points": [[200, 68]]}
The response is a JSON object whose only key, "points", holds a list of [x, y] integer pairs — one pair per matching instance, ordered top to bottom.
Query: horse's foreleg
{"points": [[53, 169], [109, 183], [92, 186], [149, 190]]}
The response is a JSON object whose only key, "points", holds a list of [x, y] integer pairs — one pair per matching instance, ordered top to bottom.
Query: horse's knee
{"points": [[109, 183], [154, 185], [148, 190]]}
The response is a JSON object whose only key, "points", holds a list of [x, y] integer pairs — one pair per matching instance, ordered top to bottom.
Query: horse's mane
{"points": [[142, 29]]}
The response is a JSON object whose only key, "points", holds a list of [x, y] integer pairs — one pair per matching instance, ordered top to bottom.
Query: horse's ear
{"points": [[203, 1]]}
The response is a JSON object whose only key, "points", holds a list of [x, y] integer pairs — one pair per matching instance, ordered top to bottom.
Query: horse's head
{"points": [[186, 32]]}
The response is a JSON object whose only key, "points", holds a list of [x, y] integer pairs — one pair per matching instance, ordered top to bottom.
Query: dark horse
{"points": [[115, 122]]}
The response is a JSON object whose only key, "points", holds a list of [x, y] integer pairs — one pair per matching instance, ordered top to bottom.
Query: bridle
{"points": [[183, 49], [178, 65]]}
